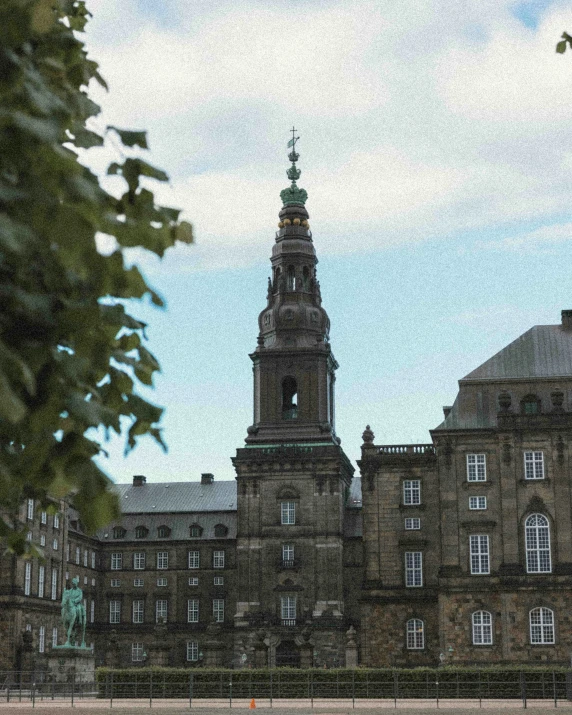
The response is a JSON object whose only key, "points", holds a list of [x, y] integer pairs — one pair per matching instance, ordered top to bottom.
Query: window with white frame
{"points": [[534, 465], [476, 468], [411, 491], [477, 503], [30, 510], [288, 512], [43, 517], [412, 524], [56, 526], [29, 536], [537, 538], [42, 539], [55, 545], [479, 548], [67, 552], [287, 554], [77, 555], [85, 557], [93, 559], [162, 559], [194, 559], [218, 559], [139, 560], [116, 561], [413, 569], [27, 578], [41, 580], [85, 580], [161, 581], [193, 581], [218, 581], [93, 582], [138, 582], [115, 583], [54, 584], [161, 607], [218, 609], [288, 609], [193, 610], [92, 611], [115, 611], [138, 613], [482, 622], [541, 626], [415, 634], [54, 636], [42, 639], [192, 651], [137, 652]]}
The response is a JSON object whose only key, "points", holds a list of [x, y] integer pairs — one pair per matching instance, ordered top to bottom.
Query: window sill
{"points": [[544, 480]]}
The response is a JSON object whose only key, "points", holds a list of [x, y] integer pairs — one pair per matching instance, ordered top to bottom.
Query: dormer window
{"points": [[289, 398], [530, 405], [195, 531], [220, 531], [119, 532], [141, 532], [163, 532]]}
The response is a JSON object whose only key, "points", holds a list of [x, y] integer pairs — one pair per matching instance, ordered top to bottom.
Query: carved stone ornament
{"points": [[557, 400], [505, 401], [368, 436], [560, 447]]}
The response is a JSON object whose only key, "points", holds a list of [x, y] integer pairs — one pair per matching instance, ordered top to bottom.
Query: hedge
{"points": [[447, 682]]}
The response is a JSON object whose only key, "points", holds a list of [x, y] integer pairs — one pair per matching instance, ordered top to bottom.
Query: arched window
{"points": [[306, 278], [291, 284], [289, 399], [530, 405], [220, 530], [195, 531], [141, 532], [537, 537], [541, 626], [482, 628], [415, 634]]}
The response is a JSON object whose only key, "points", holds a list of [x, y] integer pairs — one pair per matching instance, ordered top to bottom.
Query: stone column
{"points": [[351, 648], [160, 651]]}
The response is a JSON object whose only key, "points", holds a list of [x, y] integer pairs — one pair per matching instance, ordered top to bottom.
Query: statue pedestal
{"points": [[68, 664]]}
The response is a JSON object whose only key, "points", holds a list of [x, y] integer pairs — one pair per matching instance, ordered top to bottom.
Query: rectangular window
{"points": [[534, 465], [476, 468], [411, 491], [477, 503], [30, 510], [288, 512], [43, 517], [412, 524], [56, 526], [29, 536], [42, 539], [55, 545], [479, 546], [67, 552], [77, 555], [287, 555], [85, 557], [93, 559], [162, 559], [194, 559], [218, 559], [139, 560], [116, 562], [413, 569], [27, 578], [41, 580], [193, 581], [219, 581], [138, 582], [161, 582], [115, 583], [54, 584], [218, 609], [138, 610], [161, 610], [193, 610], [288, 610], [92, 611], [115, 611], [482, 628], [54, 636], [42, 639], [192, 651], [137, 652]]}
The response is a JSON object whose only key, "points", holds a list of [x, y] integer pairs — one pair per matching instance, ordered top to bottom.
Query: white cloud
{"points": [[543, 239]]}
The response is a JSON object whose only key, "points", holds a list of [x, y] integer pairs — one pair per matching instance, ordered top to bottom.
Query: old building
{"points": [[461, 550]]}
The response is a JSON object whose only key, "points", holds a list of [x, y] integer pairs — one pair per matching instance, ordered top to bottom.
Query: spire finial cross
{"points": [[292, 142]]}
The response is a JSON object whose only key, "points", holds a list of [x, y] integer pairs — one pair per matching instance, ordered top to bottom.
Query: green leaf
{"points": [[561, 47], [85, 138], [131, 138], [184, 232]]}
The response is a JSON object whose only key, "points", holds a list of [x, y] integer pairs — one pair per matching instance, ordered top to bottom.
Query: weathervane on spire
{"points": [[293, 195]]}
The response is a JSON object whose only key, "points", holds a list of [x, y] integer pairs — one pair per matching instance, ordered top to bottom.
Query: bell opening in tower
{"points": [[289, 398]]}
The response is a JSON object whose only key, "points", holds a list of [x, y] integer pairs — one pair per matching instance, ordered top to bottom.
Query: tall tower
{"points": [[293, 476]]}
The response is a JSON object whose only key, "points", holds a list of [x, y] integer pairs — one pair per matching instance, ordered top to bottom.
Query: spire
{"points": [[293, 196]]}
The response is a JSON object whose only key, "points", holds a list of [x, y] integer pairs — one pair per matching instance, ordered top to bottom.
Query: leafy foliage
{"points": [[566, 40], [71, 355]]}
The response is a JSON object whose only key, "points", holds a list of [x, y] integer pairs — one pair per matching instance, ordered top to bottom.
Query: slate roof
{"points": [[543, 351], [174, 497], [178, 524]]}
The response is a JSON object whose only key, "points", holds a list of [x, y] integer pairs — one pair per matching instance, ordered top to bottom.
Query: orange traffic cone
{"points": [[252, 704]]}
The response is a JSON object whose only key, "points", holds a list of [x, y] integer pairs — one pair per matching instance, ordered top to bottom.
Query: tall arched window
{"points": [[291, 278], [306, 278], [289, 398], [530, 405], [537, 537], [541, 626], [482, 628], [415, 634]]}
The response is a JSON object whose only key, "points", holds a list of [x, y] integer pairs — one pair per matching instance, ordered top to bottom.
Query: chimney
{"points": [[567, 319], [446, 411], [207, 478], [139, 480]]}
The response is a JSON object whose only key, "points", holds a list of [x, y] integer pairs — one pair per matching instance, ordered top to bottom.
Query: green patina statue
{"points": [[73, 615]]}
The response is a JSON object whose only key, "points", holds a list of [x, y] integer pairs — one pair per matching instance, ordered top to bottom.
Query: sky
{"points": [[435, 149]]}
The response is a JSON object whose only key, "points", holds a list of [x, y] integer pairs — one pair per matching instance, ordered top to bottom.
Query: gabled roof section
{"points": [[544, 351], [176, 497]]}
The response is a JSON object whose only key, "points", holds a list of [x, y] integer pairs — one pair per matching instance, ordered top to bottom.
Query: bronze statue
{"points": [[73, 615]]}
